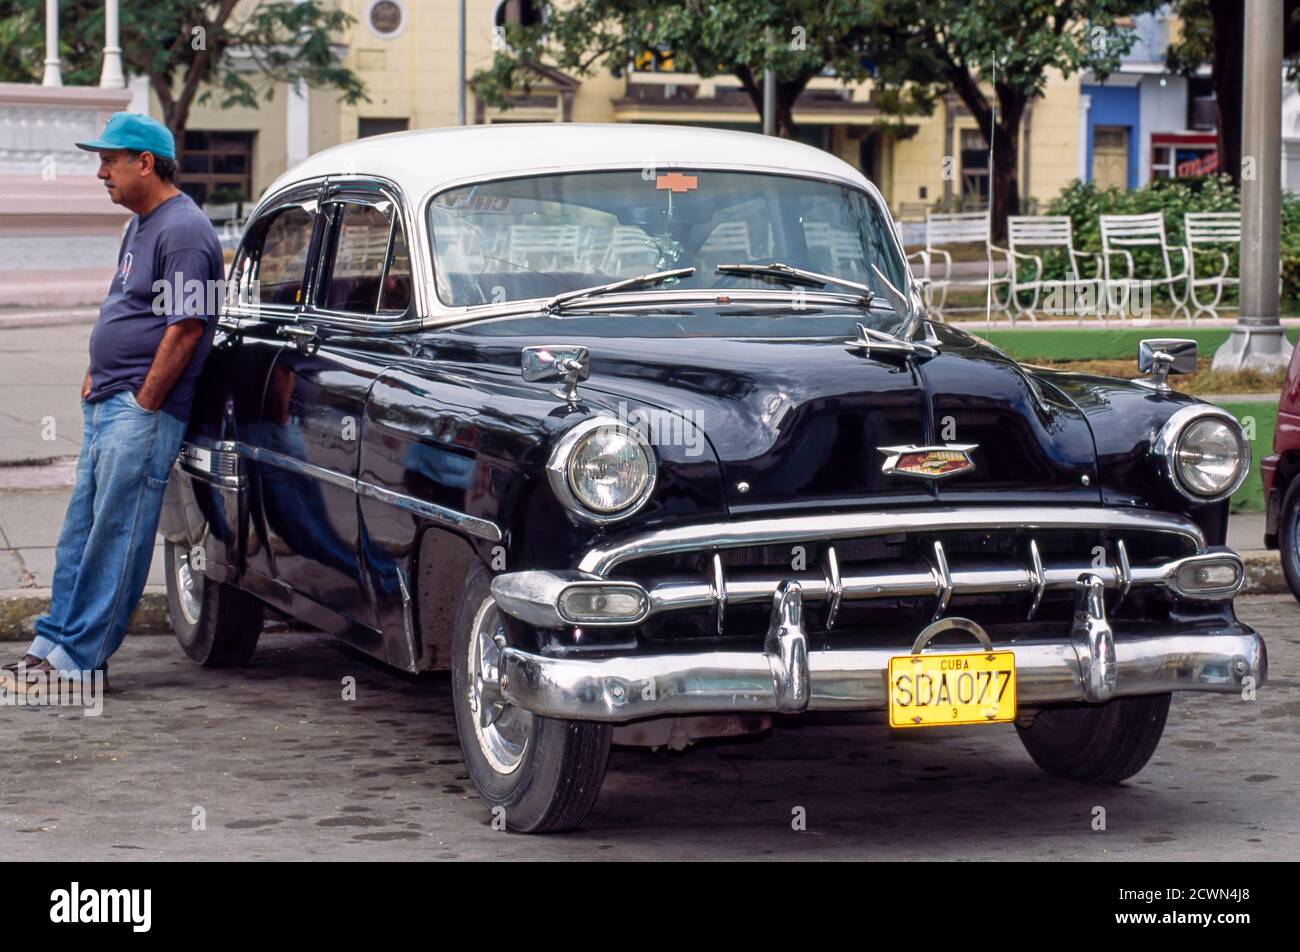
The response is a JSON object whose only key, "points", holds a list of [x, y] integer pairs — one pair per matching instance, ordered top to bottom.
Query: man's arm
{"points": [[178, 344], [85, 386]]}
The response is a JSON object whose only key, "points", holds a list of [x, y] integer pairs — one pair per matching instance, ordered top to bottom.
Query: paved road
{"points": [[285, 769]]}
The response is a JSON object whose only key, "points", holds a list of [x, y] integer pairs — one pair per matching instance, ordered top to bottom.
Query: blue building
{"points": [[1143, 122]]}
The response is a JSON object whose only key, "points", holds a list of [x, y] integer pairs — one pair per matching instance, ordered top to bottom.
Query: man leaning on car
{"points": [[146, 351]]}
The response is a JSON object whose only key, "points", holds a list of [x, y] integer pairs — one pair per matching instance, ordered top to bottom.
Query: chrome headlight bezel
{"points": [[1169, 440], [558, 469]]}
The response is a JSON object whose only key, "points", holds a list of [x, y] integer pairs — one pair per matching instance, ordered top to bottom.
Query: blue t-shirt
{"points": [[169, 269]]}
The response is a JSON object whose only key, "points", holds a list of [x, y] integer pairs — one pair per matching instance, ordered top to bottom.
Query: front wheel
{"points": [[1288, 536], [216, 624], [1101, 743], [544, 774]]}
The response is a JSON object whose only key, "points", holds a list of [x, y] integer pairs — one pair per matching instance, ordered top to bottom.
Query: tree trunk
{"points": [[1228, 17], [787, 91], [1004, 182]]}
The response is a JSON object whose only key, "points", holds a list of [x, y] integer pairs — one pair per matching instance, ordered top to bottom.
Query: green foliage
{"points": [[797, 39], [191, 50], [1084, 203]]}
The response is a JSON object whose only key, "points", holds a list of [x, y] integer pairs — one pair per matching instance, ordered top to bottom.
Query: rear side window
{"points": [[273, 262], [369, 269]]}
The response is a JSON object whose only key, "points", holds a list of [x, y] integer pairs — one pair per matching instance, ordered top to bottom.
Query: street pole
{"points": [[460, 59], [769, 93], [1257, 340]]}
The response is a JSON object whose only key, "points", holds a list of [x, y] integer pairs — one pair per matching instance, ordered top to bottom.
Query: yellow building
{"points": [[405, 53]]}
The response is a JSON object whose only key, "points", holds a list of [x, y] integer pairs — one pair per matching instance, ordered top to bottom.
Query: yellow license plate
{"points": [[933, 690]]}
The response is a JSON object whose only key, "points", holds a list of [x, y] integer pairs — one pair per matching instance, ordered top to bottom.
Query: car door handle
{"points": [[305, 336]]}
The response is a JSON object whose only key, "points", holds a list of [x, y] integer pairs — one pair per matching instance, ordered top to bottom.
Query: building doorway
{"points": [[1110, 156]]}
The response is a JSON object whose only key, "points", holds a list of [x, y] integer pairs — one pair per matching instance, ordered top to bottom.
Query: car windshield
{"points": [[536, 237]]}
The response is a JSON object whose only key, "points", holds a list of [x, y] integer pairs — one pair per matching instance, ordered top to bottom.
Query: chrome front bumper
{"points": [[1089, 665]]}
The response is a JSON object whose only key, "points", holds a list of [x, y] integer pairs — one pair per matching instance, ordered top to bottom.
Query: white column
{"points": [[53, 75], [111, 76], [297, 123], [1081, 151]]}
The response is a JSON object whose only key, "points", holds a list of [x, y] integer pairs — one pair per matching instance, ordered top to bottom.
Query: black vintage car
{"points": [[643, 433]]}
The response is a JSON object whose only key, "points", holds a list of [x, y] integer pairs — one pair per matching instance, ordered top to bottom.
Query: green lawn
{"points": [[1100, 343], [1262, 415]]}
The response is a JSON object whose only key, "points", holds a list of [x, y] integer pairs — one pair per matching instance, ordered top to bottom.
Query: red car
{"points": [[1281, 487]]}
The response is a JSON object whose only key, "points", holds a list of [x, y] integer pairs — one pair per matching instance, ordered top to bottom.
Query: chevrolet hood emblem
{"points": [[928, 462]]}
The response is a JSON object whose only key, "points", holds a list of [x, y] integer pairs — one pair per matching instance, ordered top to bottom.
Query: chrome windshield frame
{"points": [[441, 314]]}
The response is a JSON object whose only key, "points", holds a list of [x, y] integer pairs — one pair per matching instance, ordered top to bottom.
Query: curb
{"points": [[49, 318], [19, 607]]}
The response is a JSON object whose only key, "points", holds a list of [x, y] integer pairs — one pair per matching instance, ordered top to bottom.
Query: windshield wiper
{"points": [[794, 275], [558, 302]]}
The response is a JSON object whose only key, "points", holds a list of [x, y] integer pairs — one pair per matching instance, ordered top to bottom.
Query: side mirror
{"points": [[1160, 357], [562, 363]]}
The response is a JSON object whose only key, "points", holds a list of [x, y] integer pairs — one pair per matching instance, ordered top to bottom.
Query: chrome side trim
{"points": [[217, 464], [451, 518], [789, 529]]}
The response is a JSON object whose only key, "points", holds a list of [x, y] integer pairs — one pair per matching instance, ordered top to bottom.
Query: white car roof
{"points": [[428, 160]]}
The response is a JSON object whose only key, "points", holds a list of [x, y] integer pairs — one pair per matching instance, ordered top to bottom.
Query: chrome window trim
{"points": [[352, 192], [268, 204], [442, 314], [1165, 446], [451, 518], [773, 530]]}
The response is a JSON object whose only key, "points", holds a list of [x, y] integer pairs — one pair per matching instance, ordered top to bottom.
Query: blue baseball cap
{"points": [[131, 130]]}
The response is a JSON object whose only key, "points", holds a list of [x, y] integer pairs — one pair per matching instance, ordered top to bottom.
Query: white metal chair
{"points": [[951, 229], [1041, 232], [1119, 233], [1207, 233], [728, 242], [543, 247], [630, 251]]}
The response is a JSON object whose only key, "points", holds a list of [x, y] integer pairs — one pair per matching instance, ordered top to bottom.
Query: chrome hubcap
{"points": [[189, 586], [501, 728]]}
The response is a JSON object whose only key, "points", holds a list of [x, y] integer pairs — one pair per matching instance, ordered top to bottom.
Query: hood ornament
{"points": [[928, 462]]}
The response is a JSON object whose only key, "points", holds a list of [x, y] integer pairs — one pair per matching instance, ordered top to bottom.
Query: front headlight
{"points": [[1206, 453], [602, 470]]}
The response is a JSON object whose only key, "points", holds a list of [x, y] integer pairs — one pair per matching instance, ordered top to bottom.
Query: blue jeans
{"points": [[102, 560]]}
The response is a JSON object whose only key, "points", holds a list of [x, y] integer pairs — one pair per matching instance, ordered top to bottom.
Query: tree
{"points": [[1214, 33], [797, 39], [913, 49], [191, 50], [995, 55]]}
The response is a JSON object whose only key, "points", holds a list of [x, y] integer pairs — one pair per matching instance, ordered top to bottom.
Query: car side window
{"points": [[273, 262], [369, 270]]}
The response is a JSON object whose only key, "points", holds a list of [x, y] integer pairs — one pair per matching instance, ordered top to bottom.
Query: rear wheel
{"points": [[216, 624], [1101, 743], [544, 774]]}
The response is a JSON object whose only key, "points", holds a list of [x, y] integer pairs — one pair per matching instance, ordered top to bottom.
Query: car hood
{"points": [[803, 422]]}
